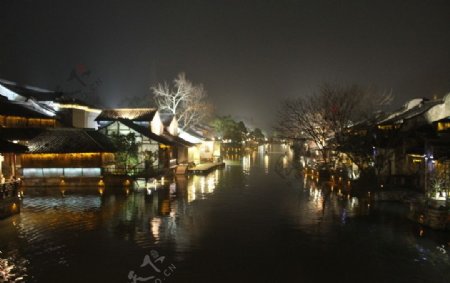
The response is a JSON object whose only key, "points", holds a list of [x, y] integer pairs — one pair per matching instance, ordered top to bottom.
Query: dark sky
{"points": [[248, 54]]}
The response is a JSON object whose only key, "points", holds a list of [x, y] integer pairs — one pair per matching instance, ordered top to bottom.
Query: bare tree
{"points": [[184, 100], [326, 118]]}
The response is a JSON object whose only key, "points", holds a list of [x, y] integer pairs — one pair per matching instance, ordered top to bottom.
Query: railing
{"points": [[122, 171], [134, 172]]}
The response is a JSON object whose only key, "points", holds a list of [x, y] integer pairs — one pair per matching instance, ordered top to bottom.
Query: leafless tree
{"points": [[184, 100], [326, 118]]}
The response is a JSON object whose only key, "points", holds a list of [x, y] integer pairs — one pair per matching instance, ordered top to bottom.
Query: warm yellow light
{"points": [[79, 107]]}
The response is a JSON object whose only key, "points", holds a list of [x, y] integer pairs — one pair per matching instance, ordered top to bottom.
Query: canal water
{"points": [[256, 220]]}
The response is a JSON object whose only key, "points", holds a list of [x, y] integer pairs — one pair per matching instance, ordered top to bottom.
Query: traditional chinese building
{"points": [[64, 111], [75, 112], [15, 114], [151, 136], [416, 141], [205, 150], [69, 155], [8, 159]]}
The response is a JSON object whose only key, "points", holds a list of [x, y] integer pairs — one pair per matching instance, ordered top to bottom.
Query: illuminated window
{"points": [[442, 126]]}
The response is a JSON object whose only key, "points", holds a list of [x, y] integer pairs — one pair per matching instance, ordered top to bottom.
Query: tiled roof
{"points": [[38, 94], [70, 100], [10, 108], [411, 113], [134, 114], [202, 131], [146, 132], [22, 134], [166, 138], [70, 140], [177, 140], [6, 146]]}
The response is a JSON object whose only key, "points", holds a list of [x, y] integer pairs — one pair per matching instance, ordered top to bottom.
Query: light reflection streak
{"points": [[246, 164], [266, 164], [201, 186], [155, 225]]}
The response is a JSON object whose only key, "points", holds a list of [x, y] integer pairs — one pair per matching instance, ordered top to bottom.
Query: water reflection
{"points": [[246, 164], [266, 164], [199, 187], [340, 204], [245, 207]]}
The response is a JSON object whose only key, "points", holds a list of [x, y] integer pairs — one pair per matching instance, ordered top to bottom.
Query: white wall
{"points": [[439, 111]]}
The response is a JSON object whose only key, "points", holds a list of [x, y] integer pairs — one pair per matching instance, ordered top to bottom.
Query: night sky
{"points": [[248, 54]]}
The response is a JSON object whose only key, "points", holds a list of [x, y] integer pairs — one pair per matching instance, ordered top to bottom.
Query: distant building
{"points": [[151, 135], [414, 142], [206, 149]]}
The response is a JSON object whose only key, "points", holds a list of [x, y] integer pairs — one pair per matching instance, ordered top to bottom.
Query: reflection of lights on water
{"points": [[302, 161], [246, 163], [285, 163], [266, 164], [202, 184], [211, 184], [205, 185], [173, 188], [191, 193], [317, 194], [317, 198], [354, 202], [165, 207], [344, 216], [155, 225], [421, 232], [9, 271]]}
